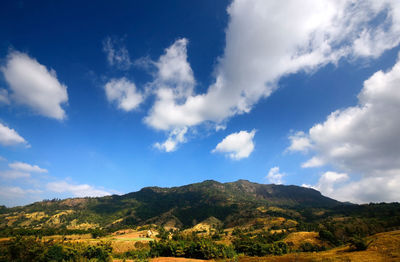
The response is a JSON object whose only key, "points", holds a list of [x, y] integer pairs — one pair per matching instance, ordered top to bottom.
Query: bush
{"points": [[328, 236], [262, 244], [359, 244], [309, 247], [31, 249], [201, 249], [101, 252]]}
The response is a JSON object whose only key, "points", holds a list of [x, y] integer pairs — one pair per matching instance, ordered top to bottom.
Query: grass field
{"points": [[384, 247]]}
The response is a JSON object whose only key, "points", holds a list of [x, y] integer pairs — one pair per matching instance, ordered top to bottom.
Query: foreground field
{"points": [[384, 247], [168, 259]]}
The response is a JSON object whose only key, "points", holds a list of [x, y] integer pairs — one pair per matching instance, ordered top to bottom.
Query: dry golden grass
{"points": [[36, 215], [74, 225], [130, 234], [298, 238], [122, 246], [384, 247], [167, 259], [176, 259]]}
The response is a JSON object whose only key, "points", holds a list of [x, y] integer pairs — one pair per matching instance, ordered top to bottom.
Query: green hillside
{"points": [[234, 204]]}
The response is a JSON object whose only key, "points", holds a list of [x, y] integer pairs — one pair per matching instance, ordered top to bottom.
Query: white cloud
{"points": [[266, 40], [117, 54], [173, 84], [33, 85], [123, 92], [4, 97], [9, 136], [177, 136], [363, 139], [299, 142], [237, 145], [313, 162], [20, 166], [14, 174], [274, 176], [328, 180], [370, 189], [80, 190], [364, 190], [11, 192], [15, 195]]}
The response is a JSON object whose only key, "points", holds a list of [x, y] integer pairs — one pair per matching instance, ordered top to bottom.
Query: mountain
{"points": [[234, 204], [181, 206]]}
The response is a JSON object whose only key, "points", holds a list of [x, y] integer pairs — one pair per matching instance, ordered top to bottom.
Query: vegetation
{"points": [[239, 218], [22, 249]]}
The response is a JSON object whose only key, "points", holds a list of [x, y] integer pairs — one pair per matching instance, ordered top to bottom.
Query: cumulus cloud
{"points": [[266, 40], [117, 54], [173, 84], [33, 85], [124, 93], [9, 137], [176, 137], [363, 139], [299, 142], [237, 145], [313, 162], [21, 166], [274, 176], [328, 180], [369, 189], [77, 190], [364, 190]]}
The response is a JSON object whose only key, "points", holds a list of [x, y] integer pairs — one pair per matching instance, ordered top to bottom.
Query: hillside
{"points": [[240, 203], [181, 206], [203, 220]]}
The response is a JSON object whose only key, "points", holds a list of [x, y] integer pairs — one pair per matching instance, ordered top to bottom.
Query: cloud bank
{"points": [[266, 40], [363, 140], [77, 190]]}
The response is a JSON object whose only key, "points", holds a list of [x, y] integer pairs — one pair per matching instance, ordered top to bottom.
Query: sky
{"points": [[110, 97]]}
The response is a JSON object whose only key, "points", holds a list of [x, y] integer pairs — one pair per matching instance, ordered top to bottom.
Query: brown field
{"points": [[297, 238], [384, 247], [168, 259]]}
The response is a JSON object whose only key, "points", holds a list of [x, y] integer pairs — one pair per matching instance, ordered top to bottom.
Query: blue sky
{"points": [[112, 97]]}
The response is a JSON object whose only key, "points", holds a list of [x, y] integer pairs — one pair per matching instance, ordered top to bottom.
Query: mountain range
{"points": [[233, 203]]}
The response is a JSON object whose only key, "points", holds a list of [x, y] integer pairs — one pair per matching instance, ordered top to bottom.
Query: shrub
{"points": [[359, 244]]}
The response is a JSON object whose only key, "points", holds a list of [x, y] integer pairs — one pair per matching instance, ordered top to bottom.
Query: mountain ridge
{"points": [[228, 202]]}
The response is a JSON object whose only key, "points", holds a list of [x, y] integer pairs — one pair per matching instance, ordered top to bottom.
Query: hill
{"points": [[240, 203], [179, 206], [202, 220]]}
